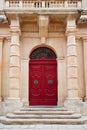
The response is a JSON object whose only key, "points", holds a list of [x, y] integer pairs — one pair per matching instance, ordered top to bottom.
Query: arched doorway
{"points": [[43, 77]]}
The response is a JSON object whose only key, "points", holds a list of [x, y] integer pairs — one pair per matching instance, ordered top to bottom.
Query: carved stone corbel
{"points": [[43, 23]]}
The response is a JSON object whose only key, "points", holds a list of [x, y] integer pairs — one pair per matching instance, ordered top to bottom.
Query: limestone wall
{"points": [[30, 41]]}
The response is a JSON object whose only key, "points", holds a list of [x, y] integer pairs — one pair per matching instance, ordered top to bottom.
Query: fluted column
{"points": [[1, 45], [72, 62], [85, 65], [14, 70]]}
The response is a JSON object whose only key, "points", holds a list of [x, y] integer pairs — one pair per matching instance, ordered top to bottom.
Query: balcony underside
{"points": [[42, 11]]}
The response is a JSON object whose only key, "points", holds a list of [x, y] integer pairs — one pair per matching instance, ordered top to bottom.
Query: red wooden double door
{"points": [[43, 78], [43, 82]]}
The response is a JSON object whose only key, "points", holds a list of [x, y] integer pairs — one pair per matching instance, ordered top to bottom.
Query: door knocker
{"points": [[35, 82], [50, 82]]}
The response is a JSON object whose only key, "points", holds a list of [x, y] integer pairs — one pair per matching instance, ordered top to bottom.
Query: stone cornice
{"points": [[50, 35], [5, 36], [81, 36]]}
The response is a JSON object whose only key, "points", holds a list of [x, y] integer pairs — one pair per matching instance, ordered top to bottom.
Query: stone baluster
{"points": [[7, 4], [20, 4], [66, 4]]}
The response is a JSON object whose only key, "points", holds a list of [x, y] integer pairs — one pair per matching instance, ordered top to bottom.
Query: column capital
{"points": [[71, 21], [15, 25], [71, 25], [15, 30], [71, 30], [1, 38], [8, 38], [78, 39], [84, 39]]}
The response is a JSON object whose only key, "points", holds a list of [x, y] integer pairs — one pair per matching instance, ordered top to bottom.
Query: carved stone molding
{"points": [[83, 19], [36, 35]]}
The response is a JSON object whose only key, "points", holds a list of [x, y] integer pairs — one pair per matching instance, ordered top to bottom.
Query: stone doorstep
{"points": [[45, 108], [44, 112], [32, 116], [8, 121]]}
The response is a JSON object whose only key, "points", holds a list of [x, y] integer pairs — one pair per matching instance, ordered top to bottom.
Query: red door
{"points": [[43, 82]]}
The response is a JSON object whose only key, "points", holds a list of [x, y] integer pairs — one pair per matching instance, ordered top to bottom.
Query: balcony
{"points": [[47, 4]]}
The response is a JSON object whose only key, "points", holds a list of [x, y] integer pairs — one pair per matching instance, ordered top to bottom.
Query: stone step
{"points": [[43, 108], [44, 112], [42, 116], [47, 116], [8, 121]]}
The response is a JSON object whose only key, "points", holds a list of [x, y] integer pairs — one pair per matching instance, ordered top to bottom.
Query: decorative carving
{"points": [[83, 19], [43, 52], [50, 92], [35, 93]]}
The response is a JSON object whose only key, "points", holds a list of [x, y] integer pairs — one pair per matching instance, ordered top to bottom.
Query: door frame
{"points": [[39, 60]]}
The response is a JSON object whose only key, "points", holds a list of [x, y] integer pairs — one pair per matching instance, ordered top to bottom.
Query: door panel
{"points": [[50, 78], [35, 81], [43, 82]]}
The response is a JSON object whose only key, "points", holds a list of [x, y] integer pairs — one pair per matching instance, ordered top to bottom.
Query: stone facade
{"points": [[59, 26]]}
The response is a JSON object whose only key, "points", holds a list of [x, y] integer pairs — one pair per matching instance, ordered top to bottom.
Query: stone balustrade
{"points": [[42, 4]]}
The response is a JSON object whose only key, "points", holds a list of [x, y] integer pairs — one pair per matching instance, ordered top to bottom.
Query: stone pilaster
{"points": [[1, 45], [1, 50], [72, 63], [85, 65], [14, 71], [13, 100]]}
